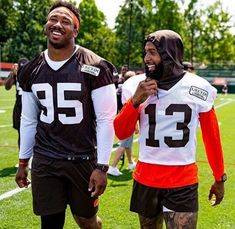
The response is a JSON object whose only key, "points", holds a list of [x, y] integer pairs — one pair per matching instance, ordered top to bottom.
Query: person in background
{"points": [[124, 70], [2, 81], [120, 81], [9, 82], [225, 89], [169, 103], [68, 107], [124, 145]]}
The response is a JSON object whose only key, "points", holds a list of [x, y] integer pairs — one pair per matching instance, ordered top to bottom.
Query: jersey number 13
{"points": [[182, 126]]}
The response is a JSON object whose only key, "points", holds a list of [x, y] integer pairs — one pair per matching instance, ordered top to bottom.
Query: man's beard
{"points": [[57, 45], [157, 73]]}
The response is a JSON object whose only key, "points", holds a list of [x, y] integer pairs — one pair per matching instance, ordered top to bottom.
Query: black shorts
{"points": [[56, 183], [149, 201]]}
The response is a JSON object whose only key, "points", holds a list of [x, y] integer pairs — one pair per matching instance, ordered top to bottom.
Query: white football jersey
{"points": [[169, 121]]}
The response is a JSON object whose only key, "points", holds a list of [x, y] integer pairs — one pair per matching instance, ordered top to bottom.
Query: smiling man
{"points": [[169, 104], [63, 124]]}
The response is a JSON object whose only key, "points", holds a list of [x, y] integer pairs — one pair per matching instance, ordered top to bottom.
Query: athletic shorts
{"points": [[127, 143], [58, 183], [149, 202]]}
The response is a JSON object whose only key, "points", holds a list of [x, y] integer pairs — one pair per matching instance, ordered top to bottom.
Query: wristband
{"points": [[102, 167], [223, 178]]}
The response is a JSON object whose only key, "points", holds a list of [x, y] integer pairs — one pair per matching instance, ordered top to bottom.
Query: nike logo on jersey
{"points": [[90, 70], [198, 92]]}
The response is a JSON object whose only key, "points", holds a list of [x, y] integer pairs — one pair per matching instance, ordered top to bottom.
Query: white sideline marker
{"points": [[223, 104], [3, 126], [12, 192]]}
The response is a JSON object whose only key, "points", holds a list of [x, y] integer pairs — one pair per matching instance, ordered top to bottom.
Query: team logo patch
{"points": [[90, 70], [198, 92]]}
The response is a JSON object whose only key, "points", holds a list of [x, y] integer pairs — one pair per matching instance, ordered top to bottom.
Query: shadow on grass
{"points": [[8, 172], [126, 176]]}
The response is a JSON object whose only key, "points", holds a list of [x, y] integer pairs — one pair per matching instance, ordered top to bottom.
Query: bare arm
{"points": [[10, 81]]}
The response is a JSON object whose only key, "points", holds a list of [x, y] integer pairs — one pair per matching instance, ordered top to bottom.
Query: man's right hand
{"points": [[144, 90], [21, 177]]}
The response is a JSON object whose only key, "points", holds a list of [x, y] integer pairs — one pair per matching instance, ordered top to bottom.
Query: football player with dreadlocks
{"points": [[169, 104]]}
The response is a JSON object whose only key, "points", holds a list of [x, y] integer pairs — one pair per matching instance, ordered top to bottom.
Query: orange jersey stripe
{"points": [[162, 176]]}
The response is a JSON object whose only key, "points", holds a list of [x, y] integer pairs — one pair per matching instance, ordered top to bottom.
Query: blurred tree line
{"points": [[205, 31]]}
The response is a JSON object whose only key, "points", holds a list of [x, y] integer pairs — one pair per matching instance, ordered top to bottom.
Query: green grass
{"points": [[16, 211]]}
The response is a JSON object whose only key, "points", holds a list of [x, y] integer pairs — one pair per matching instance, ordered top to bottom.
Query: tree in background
{"points": [[6, 14], [167, 15], [138, 18], [6, 23], [192, 28], [130, 31], [205, 32], [94, 33], [27, 38], [216, 41]]}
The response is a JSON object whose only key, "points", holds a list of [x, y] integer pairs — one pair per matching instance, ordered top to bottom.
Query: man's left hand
{"points": [[98, 182], [217, 189]]}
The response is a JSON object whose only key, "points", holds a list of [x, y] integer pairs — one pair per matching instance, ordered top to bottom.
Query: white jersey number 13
{"points": [[183, 126]]}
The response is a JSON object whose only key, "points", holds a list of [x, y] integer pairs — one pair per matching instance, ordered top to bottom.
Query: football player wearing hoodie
{"points": [[169, 104]]}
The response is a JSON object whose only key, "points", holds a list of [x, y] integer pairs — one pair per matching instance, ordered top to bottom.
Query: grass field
{"points": [[16, 211]]}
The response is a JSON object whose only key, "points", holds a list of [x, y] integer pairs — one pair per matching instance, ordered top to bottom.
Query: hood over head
{"points": [[170, 48]]}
